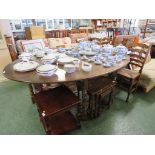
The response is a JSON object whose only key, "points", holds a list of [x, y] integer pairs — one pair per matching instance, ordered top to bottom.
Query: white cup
{"points": [[76, 63]]}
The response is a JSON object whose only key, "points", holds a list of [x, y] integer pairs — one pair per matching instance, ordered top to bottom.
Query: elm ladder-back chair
{"points": [[104, 41], [12, 51], [14, 57], [129, 78], [54, 107]]}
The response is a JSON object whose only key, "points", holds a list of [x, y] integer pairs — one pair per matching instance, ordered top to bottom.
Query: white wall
{"points": [[6, 28]]}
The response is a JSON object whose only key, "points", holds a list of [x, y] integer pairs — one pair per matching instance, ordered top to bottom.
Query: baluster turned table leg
{"points": [[31, 92], [82, 109]]}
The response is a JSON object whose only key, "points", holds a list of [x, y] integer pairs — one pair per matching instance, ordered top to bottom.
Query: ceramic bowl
{"points": [[86, 67], [69, 68]]}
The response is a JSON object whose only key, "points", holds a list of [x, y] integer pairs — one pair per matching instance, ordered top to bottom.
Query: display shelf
{"points": [[61, 124]]}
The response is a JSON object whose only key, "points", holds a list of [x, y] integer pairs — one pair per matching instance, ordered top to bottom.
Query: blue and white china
{"points": [[95, 48], [108, 49], [121, 49], [61, 50], [39, 53], [25, 56], [84, 57], [50, 58], [76, 62], [98, 62], [107, 64], [25, 66], [86, 67], [69, 68], [46, 70]]}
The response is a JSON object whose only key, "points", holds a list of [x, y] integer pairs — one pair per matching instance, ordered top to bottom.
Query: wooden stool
{"points": [[54, 108]]}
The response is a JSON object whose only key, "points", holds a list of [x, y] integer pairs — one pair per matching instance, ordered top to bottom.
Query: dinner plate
{"points": [[25, 66], [46, 68]]}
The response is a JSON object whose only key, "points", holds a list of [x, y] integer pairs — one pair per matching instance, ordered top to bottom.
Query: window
{"points": [[41, 22], [84, 22], [26, 23], [68, 23], [75, 23], [50, 24], [17, 25]]}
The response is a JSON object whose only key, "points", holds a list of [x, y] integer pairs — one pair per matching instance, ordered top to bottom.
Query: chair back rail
{"points": [[12, 51], [138, 56]]}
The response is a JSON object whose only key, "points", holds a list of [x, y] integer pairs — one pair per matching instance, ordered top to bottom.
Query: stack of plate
{"points": [[25, 56], [25, 66], [46, 70]]}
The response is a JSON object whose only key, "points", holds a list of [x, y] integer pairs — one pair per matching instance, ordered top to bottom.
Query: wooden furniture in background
{"points": [[74, 31], [83, 31], [34, 32], [104, 41], [129, 78], [54, 110]]}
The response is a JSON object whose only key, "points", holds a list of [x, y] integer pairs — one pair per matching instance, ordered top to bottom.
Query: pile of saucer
{"points": [[26, 56], [25, 66], [46, 70]]}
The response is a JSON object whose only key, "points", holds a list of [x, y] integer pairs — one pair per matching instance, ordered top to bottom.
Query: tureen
{"points": [[107, 48], [120, 49]]}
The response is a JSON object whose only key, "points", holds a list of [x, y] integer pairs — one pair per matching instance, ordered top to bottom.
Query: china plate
{"points": [[25, 66], [46, 68]]}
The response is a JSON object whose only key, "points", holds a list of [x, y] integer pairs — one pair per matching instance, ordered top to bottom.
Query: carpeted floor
{"points": [[19, 116]]}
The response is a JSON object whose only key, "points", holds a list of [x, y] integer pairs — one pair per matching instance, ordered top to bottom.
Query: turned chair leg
{"points": [[129, 91], [127, 99]]}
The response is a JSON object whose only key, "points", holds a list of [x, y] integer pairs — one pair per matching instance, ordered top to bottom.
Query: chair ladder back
{"points": [[12, 51], [139, 56]]}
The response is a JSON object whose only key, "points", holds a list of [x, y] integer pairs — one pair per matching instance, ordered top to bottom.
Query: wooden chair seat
{"points": [[128, 73], [54, 101]]}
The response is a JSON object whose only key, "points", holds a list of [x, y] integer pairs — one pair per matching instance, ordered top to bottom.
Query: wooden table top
{"points": [[61, 75]]}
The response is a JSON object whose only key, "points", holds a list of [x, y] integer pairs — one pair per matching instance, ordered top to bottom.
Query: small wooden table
{"points": [[61, 76]]}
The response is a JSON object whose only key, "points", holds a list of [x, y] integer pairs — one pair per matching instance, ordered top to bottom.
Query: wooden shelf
{"points": [[56, 100], [61, 124]]}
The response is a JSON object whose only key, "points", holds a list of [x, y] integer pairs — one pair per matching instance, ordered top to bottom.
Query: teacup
{"points": [[76, 63], [69, 68]]}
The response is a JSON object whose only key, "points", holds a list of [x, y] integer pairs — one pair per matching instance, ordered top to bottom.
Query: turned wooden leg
{"points": [[31, 92]]}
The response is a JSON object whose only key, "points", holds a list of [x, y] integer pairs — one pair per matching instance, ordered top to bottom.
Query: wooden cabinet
{"points": [[34, 32]]}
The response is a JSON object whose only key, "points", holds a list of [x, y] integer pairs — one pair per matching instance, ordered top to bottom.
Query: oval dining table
{"points": [[32, 77]]}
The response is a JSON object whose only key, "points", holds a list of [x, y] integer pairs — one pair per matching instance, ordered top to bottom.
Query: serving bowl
{"points": [[86, 67]]}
